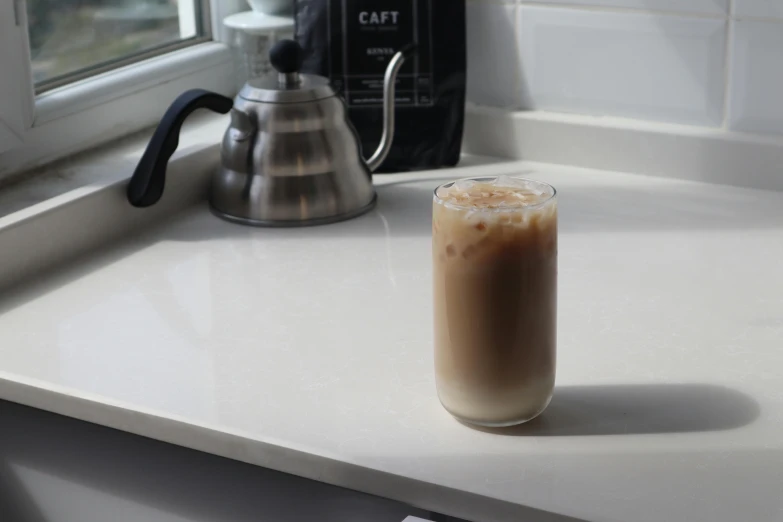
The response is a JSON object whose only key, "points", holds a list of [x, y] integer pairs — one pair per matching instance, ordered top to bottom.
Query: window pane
{"points": [[72, 38]]}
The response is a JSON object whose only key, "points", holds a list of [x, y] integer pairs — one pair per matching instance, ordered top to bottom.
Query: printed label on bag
{"points": [[372, 32]]}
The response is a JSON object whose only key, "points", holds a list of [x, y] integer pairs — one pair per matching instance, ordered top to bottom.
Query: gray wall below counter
{"points": [[57, 469]]}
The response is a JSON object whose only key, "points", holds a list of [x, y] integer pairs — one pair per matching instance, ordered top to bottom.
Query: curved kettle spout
{"points": [[389, 82]]}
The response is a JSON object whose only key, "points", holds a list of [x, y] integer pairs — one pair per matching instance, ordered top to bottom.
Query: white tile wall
{"points": [[759, 8], [679, 61], [634, 65], [494, 67], [757, 77]]}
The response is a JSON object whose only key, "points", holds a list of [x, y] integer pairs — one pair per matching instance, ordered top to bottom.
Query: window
{"points": [[72, 39], [76, 73]]}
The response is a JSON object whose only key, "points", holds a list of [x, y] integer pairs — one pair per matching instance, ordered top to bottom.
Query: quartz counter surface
{"points": [[309, 351]]}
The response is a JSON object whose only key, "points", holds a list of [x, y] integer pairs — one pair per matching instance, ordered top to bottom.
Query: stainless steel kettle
{"points": [[290, 156]]}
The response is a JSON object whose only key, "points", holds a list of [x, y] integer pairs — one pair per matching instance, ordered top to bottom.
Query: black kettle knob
{"points": [[286, 56]]}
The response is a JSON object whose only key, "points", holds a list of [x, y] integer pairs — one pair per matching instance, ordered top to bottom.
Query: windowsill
{"points": [[117, 160], [105, 164]]}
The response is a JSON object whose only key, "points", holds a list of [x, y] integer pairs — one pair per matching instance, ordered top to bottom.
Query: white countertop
{"points": [[309, 351]]}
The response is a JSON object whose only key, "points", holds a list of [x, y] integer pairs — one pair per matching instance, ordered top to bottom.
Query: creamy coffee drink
{"points": [[495, 298]]}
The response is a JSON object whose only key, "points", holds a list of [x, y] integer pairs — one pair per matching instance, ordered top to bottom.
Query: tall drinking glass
{"points": [[495, 298]]}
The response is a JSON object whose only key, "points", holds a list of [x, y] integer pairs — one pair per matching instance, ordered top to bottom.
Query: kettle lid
{"points": [[287, 84]]}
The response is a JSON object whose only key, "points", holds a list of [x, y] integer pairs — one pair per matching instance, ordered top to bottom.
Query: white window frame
{"points": [[38, 129]]}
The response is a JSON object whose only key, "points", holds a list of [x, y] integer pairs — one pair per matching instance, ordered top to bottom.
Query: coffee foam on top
{"points": [[501, 194]]}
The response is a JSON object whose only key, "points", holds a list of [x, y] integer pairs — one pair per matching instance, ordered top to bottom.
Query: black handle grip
{"points": [[149, 178]]}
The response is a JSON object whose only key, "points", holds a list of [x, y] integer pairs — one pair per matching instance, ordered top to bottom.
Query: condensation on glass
{"points": [[74, 39]]}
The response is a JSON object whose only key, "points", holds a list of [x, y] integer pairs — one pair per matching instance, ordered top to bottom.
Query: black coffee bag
{"points": [[352, 42]]}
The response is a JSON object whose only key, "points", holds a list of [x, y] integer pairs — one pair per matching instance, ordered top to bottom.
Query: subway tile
{"points": [[713, 7], [760, 8], [661, 68], [494, 76], [757, 77]]}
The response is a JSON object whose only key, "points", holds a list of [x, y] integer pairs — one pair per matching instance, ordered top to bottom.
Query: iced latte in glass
{"points": [[495, 298]]}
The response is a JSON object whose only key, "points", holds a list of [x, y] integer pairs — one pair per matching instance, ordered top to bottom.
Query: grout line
{"points": [[620, 9], [635, 10], [771, 19], [727, 68], [520, 76]]}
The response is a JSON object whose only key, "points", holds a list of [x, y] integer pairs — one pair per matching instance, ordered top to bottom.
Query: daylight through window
{"points": [[74, 39]]}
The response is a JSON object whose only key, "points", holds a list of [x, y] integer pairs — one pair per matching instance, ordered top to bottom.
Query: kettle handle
{"points": [[149, 178]]}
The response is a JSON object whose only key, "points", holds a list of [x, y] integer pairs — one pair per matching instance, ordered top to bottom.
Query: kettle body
{"points": [[290, 156], [291, 164]]}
